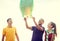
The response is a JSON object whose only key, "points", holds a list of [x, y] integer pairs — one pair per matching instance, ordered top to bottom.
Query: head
{"points": [[9, 21], [41, 21], [52, 25]]}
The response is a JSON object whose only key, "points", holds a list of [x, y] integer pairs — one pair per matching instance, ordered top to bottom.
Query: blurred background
{"points": [[49, 10]]}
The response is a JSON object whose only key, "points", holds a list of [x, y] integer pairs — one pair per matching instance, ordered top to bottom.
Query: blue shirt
{"points": [[37, 34]]}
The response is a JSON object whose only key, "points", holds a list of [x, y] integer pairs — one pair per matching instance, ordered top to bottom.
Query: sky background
{"points": [[49, 10]]}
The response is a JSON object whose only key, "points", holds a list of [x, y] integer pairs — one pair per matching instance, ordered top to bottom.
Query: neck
{"points": [[10, 26], [49, 29]]}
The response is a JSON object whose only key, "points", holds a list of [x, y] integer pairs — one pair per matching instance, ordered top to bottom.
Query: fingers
{"points": [[25, 18], [33, 18]]}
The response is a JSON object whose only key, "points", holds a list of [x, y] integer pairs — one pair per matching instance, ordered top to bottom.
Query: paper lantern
{"points": [[26, 7]]}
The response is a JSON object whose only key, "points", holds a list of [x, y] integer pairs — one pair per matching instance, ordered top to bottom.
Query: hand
{"points": [[33, 18], [25, 19]]}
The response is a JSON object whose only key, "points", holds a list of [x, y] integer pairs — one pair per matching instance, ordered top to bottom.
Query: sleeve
{"points": [[33, 28], [15, 30], [4, 32]]}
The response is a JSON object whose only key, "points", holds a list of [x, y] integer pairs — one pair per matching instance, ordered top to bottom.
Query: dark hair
{"points": [[8, 19], [54, 26]]}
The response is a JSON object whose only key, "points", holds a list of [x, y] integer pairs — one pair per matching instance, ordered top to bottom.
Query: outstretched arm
{"points": [[27, 24], [38, 27]]}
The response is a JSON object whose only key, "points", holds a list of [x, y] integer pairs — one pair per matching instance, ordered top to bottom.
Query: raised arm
{"points": [[27, 24], [38, 26]]}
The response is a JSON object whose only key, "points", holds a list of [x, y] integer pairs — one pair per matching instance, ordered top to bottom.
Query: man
{"points": [[38, 30], [9, 32]]}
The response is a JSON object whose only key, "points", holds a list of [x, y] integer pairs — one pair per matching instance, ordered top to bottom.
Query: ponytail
{"points": [[54, 26]]}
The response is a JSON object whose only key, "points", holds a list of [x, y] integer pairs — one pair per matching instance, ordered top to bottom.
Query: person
{"points": [[38, 30], [9, 32], [51, 32]]}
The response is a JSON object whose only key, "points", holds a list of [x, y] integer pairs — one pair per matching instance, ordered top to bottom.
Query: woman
{"points": [[51, 32]]}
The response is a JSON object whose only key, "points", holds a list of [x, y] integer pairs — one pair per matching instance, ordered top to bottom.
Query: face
{"points": [[10, 22], [41, 22], [49, 26]]}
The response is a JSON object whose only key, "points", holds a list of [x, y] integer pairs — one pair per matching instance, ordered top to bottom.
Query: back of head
{"points": [[41, 21]]}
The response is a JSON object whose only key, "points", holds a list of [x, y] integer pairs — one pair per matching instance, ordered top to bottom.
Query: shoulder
{"points": [[34, 26], [14, 27], [5, 28]]}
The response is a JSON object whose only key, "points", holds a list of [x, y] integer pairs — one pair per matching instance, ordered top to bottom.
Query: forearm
{"points": [[35, 23], [26, 24], [40, 28], [53, 36], [17, 37], [3, 38], [52, 39]]}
